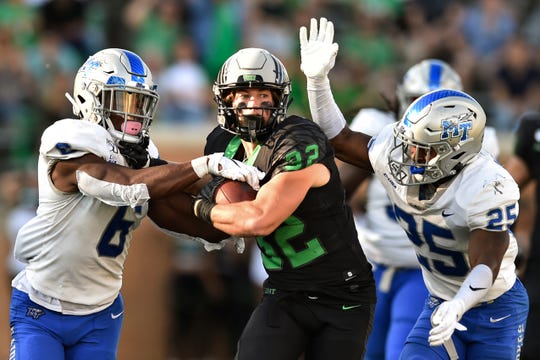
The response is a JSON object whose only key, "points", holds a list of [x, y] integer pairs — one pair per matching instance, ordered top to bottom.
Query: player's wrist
{"points": [[317, 83], [200, 166], [202, 209], [475, 287]]}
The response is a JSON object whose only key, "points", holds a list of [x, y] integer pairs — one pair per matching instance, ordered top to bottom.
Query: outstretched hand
{"points": [[318, 53], [204, 202]]}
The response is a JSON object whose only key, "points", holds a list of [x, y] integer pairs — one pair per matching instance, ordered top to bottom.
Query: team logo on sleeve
{"points": [[496, 185]]}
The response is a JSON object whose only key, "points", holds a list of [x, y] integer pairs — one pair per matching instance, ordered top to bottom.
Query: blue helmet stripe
{"points": [[137, 67], [435, 75], [425, 100]]}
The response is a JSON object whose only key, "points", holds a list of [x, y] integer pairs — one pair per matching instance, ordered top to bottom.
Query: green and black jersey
{"points": [[316, 249]]}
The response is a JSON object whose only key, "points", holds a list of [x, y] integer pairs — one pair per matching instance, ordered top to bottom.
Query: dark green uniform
{"points": [[527, 147], [320, 292]]}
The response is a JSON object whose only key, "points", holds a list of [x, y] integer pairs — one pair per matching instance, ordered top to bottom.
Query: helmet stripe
{"points": [[137, 67], [435, 75], [436, 95], [418, 105]]}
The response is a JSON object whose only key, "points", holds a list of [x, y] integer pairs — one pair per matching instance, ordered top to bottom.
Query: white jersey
{"points": [[482, 196], [382, 238], [76, 245]]}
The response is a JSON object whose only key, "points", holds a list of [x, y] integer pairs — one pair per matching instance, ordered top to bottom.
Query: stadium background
{"points": [[493, 44]]}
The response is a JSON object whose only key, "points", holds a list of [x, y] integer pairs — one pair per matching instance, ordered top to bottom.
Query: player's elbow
{"points": [[259, 226]]}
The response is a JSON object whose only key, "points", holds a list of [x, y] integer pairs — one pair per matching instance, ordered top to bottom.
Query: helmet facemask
{"points": [[251, 68], [114, 86], [132, 109], [253, 127], [421, 160]]}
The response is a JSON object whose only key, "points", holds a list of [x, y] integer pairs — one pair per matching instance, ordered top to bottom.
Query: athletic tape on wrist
{"points": [[200, 166], [203, 209]]}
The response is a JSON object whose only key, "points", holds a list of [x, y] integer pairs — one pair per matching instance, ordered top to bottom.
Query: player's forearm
{"points": [[323, 107], [352, 148], [158, 181], [173, 213], [242, 219], [475, 287]]}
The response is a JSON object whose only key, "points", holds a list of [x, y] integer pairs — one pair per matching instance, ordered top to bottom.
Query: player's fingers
{"points": [[322, 29], [313, 30], [329, 36], [303, 37], [335, 48], [253, 181], [439, 335], [435, 341]]}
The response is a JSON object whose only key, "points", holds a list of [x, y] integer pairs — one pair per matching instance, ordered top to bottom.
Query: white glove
{"points": [[318, 54], [217, 164], [445, 320]]}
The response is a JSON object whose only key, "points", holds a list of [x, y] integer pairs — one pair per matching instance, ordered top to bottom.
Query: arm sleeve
{"points": [[323, 107], [111, 193], [475, 287]]}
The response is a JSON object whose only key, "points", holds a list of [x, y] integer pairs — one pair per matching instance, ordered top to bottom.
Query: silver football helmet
{"points": [[252, 68], [423, 77], [116, 83], [437, 136]]}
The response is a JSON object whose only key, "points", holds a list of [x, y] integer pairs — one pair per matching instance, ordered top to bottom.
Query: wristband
{"points": [[200, 166]]}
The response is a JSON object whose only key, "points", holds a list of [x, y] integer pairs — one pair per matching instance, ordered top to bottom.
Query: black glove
{"points": [[136, 155], [204, 202]]}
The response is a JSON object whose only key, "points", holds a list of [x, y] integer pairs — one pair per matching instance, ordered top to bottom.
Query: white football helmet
{"points": [[252, 68], [423, 77], [116, 82], [438, 135]]}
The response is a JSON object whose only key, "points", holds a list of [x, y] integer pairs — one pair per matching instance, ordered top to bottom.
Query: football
{"points": [[231, 191]]}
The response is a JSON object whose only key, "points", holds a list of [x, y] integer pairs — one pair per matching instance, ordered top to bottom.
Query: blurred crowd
{"points": [[493, 44]]}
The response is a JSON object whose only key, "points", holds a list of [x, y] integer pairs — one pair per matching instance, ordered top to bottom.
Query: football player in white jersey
{"points": [[95, 187], [453, 200], [400, 287]]}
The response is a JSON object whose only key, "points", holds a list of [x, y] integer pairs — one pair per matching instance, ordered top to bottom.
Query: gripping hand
{"points": [[318, 53], [219, 165], [204, 202], [444, 320]]}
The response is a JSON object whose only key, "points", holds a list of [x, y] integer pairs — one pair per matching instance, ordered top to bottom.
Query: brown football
{"points": [[231, 191]]}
